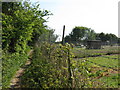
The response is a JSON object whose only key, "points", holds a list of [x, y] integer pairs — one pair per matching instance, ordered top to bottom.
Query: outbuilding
{"points": [[94, 44]]}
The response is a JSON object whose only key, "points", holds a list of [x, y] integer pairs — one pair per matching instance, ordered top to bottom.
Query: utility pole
{"points": [[63, 40]]}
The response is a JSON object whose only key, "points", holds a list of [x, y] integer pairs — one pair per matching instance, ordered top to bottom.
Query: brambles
{"points": [[48, 69], [51, 69]]}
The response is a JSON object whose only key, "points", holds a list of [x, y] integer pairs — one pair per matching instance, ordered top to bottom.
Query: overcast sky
{"points": [[99, 15]]}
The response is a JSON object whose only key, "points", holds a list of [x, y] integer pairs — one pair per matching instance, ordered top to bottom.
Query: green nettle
{"points": [[49, 66], [53, 67]]}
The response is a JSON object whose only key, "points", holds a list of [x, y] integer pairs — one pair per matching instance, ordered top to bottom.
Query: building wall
{"points": [[94, 45]]}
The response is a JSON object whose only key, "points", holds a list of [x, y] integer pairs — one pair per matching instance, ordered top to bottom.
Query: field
{"points": [[106, 50], [102, 65], [102, 70]]}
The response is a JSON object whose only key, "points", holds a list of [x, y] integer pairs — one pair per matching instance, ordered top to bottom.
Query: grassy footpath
{"points": [[10, 64]]}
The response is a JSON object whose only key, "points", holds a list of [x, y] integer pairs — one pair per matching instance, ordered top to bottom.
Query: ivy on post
{"points": [[63, 40], [69, 62], [69, 70]]}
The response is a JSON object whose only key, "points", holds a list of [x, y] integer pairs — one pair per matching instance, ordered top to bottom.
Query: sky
{"points": [[99, 15]]}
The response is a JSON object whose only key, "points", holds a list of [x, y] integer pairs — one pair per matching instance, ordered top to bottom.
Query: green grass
{"points": [[112, 56], [108, 62], [10, 64], [95, 67], [111, 81]]}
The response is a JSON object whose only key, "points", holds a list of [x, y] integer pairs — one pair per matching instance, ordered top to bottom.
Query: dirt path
{"points": [[16, 81]]}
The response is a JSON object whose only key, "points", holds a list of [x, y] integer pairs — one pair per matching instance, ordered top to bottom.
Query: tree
{"points": [[8, 8], [26, 23], [80, 34], [90, 35], [49, 37], [102, 37], [68, 38], [111, 38], [119, 41]]}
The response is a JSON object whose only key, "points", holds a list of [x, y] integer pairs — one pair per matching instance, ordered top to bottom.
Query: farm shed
{"points": [[94, 44]]}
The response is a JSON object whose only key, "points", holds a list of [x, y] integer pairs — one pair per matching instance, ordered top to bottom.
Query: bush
{"points": [[53, 67]]}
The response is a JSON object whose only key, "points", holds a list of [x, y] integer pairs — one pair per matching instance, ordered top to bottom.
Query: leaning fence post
{"points": [[63, 40]]}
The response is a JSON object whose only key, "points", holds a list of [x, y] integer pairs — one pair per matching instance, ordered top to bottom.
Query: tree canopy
{"points": [[22, 23], [79, 34], [83, 34], [111, 38]]}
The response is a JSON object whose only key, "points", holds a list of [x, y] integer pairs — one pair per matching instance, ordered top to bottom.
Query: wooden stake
{"points": [[63, 40]]}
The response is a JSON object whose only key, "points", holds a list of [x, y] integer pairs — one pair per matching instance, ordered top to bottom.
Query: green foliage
{"points": [[8, 8], [22, 23], [25, 24], [79, 34], [82, 34], [47, 37], [109, 38], [103, 61], [10, 64], [53, 65], [50, 69], [100, 71], [111, 81]]}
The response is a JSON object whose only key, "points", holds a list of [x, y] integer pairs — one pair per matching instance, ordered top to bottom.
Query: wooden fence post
{"points": [[63, 40], [69, 62], [70, 80]]}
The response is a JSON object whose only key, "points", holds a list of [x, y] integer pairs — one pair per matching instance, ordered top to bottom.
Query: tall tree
{"points": [[25, 24], [80, 34], [102, 37], [111, 38]]}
